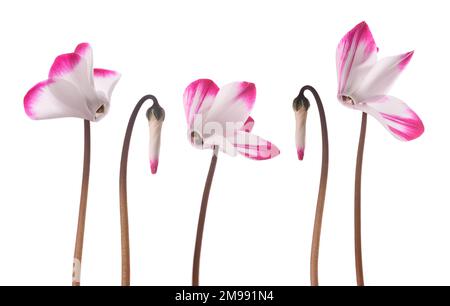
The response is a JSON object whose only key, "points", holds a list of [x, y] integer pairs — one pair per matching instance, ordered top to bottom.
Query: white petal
{"points": [[84, 50], [381, 76], [105, 81], [56, 99], [232, 107], [400, 120]]}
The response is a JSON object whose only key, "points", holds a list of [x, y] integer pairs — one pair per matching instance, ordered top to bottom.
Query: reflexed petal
{"points": [[84, 50], [355, 56], [74, 69], [382, 75], [105, 81], [198, 98], [56, 99], [232, 106], [395, 116], [248, 125], [253, 147]]}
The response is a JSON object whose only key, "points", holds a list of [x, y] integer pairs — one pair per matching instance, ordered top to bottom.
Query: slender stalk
{"points": [[358, 176], [83, 206], [202, 218], [125, 237], [315, 245]]}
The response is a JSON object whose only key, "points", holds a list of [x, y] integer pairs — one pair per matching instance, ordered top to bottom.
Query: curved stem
{"points": [[358, 176], [83, 206], [202, 218], [125, 239], [314, 263]]}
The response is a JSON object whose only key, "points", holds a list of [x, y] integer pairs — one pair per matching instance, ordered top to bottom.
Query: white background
{"points": [[260, 218]]}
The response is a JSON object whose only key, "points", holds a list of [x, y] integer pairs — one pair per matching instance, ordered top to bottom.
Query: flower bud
{"points": [[300, 106], [155, 116]]}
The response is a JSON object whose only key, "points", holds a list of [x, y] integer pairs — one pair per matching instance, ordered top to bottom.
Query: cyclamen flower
{"points": [[364, 81], [363, 84], [73, 89], [219, 117]]}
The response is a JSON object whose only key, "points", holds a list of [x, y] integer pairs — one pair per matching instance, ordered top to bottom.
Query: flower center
{"points": [[347, 100], [100, 110], [196, 139]]}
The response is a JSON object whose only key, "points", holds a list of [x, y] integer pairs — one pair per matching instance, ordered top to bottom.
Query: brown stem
{"points": [[359, 162], [83, 206], [202, 218], [125, 237], [315, 245]]}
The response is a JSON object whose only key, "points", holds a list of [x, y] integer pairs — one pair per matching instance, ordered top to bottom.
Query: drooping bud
{"points": [[300, 106], [155, 115]]}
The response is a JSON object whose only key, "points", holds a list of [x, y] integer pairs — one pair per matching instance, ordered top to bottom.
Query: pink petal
{"points": [[84, 50], [355, 55], [404, 60], [64, 65], [74, 69], [104, 73], [382, 76], [105, 81], [34, 95], [198, 98], [56, 99], [232, 105], [395, 116], [248, 125], [253, 147]]}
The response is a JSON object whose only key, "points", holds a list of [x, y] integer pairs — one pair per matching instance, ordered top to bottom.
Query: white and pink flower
{"points": [[364, 81], [73, 89], [220, 118]]}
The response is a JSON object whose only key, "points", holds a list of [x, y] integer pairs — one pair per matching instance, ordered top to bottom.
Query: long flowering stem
{"points": [[358, 176], [83, 206], [202, 218], [125, 237], [315, 246]]}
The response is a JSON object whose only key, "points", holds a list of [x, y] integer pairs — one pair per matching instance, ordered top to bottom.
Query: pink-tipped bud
{"points": [[300, 106], [155, 116], [301, 153], [154, 165]]}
